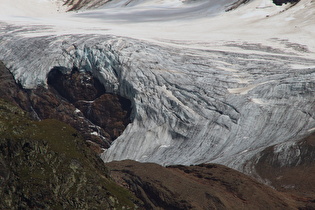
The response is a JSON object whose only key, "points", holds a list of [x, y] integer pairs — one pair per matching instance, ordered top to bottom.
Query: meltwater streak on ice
{"points": [[191, 103]]}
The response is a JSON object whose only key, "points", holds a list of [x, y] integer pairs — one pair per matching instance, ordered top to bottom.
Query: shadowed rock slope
{"points": [[45, 165]]}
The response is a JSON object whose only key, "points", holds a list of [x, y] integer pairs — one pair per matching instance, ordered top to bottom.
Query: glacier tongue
{"points": [[190, 105]]}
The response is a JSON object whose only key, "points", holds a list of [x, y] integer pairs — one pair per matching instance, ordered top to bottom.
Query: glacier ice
{"points": [[193, 101], [184, 111]]}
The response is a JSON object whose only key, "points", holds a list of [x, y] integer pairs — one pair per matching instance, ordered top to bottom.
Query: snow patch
{"points": [[95, 133]]}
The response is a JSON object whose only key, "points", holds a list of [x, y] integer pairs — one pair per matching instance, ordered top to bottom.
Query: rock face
{"points": [[75, 86], [70, 98], [107, 112], [110, 112], [45, 165], [206, 186]]}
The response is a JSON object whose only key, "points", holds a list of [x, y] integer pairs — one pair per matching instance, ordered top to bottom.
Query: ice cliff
{"points": [[191, 104]]}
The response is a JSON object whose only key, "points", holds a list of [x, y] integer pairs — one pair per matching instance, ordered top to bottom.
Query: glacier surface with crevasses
{"points": [[190, 104]]}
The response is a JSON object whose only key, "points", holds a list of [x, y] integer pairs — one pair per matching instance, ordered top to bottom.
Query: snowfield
{"points": [[206, 85]]}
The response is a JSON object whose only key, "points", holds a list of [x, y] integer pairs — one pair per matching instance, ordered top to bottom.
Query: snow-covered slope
{"points": [[206, 85]]}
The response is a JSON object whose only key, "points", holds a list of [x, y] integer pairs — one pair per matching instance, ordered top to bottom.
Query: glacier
{"points": [[219, 98]]}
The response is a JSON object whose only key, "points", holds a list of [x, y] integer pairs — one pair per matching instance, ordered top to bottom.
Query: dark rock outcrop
{"points": [[280, 2], [76, 85], [11, 91], [77, 99], [108, 111], [46, 165]]}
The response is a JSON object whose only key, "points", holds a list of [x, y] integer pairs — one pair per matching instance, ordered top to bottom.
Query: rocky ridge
{"points": [[46, 165]]}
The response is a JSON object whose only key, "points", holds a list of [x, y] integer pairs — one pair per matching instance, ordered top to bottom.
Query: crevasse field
{"points": [[207, 84]]}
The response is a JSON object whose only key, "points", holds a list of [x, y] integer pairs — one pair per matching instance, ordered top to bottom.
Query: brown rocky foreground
{"points": [[205, 186]]}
